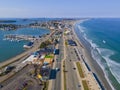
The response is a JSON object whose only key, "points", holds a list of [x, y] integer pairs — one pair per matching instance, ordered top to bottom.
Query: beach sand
{"points": [[94, 65]]}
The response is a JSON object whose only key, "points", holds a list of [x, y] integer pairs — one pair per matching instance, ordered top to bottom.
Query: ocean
{"points": [[102, 39], [10, 49]]}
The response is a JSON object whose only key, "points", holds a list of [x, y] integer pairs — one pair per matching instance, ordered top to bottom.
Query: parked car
{"points": [[74, 68], [57, 69], [1, 86]]}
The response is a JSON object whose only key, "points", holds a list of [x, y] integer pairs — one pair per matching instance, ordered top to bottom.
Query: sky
{"points": [[59, 8]]}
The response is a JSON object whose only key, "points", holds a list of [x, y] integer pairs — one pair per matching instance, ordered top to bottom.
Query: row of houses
{"points": [[44, 58]]}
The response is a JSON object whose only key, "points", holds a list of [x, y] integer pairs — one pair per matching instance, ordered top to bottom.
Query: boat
{"points": [[29, 45]]}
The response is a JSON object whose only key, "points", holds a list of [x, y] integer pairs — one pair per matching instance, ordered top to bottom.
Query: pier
{"points": [[14, 37]]}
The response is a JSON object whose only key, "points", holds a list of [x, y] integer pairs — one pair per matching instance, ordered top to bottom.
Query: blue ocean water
{"points": [[103, 37], [10, 49]]}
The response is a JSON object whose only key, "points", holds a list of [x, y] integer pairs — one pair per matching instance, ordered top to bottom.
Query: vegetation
{"points": [[10, 26], [66, 43], [45, 44], [48, 56], [80, 70], [46, 85], [85, 85], [25, 88]]}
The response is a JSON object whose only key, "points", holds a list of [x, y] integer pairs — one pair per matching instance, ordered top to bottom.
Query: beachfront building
{"points": [[71, 43], [35, 58], [48, 61], [45, 72]]}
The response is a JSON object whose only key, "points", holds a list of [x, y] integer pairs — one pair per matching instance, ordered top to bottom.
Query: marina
{"points": [[14, 37]]}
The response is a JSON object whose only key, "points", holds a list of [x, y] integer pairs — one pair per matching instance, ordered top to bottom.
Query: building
{"points": [[72, 43], [56, 52], [45, 72]]}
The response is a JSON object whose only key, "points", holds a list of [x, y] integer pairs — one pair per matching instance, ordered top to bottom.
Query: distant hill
{"points": [[7, 21]]}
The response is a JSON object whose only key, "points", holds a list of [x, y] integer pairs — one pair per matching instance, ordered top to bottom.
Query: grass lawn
{"points": [[66, 43], [48, 56], [80, 70], [46, 85], [85, 85]]}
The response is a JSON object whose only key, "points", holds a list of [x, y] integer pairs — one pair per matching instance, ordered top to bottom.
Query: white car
{"points": [[57, 69]]}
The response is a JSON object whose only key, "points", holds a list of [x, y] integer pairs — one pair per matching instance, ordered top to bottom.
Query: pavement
{"points": [[72, 54], [72, 80], [17, 81], [55, 84]]}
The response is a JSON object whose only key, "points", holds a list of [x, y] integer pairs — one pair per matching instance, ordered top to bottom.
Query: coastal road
{"points": [[72, 80], [56, 84]]}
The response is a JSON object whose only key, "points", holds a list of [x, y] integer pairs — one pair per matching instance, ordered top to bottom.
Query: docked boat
{"points": [[29, 45]]}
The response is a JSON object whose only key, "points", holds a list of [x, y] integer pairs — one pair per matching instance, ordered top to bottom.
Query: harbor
{"points": [[14, 37], [17, 39]]}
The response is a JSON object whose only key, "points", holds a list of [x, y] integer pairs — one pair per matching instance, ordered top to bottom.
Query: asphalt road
{"points": [[71, 75], [72, 81], [56, 85]]}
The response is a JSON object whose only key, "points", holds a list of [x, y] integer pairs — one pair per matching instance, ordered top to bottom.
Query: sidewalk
{"points": [[51, 81]]}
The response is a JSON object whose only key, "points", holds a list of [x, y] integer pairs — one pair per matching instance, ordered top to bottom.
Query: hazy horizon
{"points": [[59, 9]]}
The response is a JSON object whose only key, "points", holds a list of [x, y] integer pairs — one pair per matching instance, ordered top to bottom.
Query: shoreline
{"points": [[23, 49], [22, 54], [16, 57], [95, 67]]}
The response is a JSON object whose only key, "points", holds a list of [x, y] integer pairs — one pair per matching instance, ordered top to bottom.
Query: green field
{"points": [[48, 56], [80, 70], [46, 85], [85, 85]]}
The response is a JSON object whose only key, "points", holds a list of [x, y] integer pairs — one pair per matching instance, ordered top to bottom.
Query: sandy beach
{"points": [[94, 65]]}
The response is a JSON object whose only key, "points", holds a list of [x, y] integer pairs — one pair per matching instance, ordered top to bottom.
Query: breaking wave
{"points": [[99, 54]]}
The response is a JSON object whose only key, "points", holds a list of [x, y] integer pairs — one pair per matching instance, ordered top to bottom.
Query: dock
{"points": [[15, 37]]}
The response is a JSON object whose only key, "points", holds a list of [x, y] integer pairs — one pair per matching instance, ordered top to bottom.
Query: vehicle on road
{"points": [[74, 68], [57, 69], [79, 85], [1, 86]]}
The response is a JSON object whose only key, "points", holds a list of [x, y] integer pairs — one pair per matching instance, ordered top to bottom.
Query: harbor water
{"points": [[9, 49]]}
